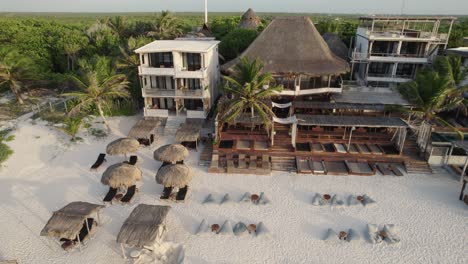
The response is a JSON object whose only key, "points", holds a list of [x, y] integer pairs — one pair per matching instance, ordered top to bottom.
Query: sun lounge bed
{"points": [[243, 144], [261, 145], [316, 147], [340, 148], [353, 149], [363, 149], [375, 149], [100, 160], [133, 160], [253, 162], [242, 164], [303, 166], [317, 167], [336, 167], [359, 168], [383, 168], [395, 170], [166, 193], [181, 194], [110, 195], [129, 195], [83, 232]]}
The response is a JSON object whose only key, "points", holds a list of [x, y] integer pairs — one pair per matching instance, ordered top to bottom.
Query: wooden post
{"points": [[66, 107], [405, 132], [272, 133], [447, 159], [464, 169], [462, 190], [79, 242], [123, 251]]}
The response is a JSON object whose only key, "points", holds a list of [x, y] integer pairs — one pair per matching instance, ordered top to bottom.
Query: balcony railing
{"points": [[405, 34], [366, 56], [142, 70], [185, 73], [148, 92], [190, 93], [156, 112]]}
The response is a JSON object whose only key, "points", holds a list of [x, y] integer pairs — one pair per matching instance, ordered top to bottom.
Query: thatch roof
{"points": [[250, 20], [205, 31], [292, 45], [336, 45], [348, 121], [143, 129], [187, 134], [123, 146], [171, 153], [121, 175], [174, 175], [68, 221], [142, 226]]}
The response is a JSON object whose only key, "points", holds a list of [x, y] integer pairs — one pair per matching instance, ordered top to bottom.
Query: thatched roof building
{"points": [[250, 20], [292, 45], [336, 45], [143, 129], [123, 146], [171, 153], [121, 175], [174, 175], [68, 221], [144, 226]]}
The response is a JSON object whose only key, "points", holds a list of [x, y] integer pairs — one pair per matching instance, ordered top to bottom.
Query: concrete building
{"points": [[390, 50], [179, 77]]}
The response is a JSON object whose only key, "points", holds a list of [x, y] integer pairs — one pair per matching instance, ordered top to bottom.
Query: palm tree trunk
{"points": [[17, 93], [101, 113]]}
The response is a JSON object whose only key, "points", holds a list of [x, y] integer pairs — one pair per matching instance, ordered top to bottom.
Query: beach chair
{"points": [[100, 160], [133, 160], [180, 162], [395, 170], [166, 193], [181, 194], [110, 195], [129, 195], [83, 232]]}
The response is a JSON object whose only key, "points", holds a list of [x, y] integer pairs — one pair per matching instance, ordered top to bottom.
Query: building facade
{"points": [[390, 50], [179, 77]]}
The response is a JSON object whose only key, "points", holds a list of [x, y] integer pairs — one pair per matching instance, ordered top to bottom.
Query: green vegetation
{"points": [[246, 93], [72, 126], [5, 151]]}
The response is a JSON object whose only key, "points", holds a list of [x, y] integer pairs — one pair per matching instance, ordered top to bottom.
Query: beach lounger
{"points": [[316, 147], [340, 148], [353, 149], [363, 149], [375, 149], [100, 160], [133, 160], [180, 162], [253, 163], [242, 164], [303, 166], [317, 167], [383, 168], [395, 170], [166, 193], [181, 194], [110, 195], [129, 195], [83, 232]]}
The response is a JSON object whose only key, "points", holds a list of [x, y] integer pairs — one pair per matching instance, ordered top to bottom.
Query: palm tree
{"points": [[118, 25], [166, 26], [72, 43], [452, 67], [14, 70], [97, 86], [248, 89], [431, 93]]}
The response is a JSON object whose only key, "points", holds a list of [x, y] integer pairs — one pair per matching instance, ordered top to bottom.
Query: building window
{"points": [[142, 58], [161, 60], [192, 61], [144, 81], [164, 82], [192, 84], [193, 104]]}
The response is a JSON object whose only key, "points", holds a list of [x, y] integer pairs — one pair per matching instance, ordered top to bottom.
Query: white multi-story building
{"points": [[389, 50], [179, 77]]}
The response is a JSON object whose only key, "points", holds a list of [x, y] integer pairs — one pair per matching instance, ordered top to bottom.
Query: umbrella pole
{"points": [[123, 251]]}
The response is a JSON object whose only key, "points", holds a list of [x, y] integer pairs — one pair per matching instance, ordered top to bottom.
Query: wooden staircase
{"points": [[418, 167]]}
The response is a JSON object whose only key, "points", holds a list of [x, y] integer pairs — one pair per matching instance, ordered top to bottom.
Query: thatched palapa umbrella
{"points": [[123, 146], [171, 153], [121, 175], [174, 175]]}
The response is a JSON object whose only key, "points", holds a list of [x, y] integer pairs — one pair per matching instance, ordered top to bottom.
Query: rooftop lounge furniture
{"points": [[100, 160], [129, 194], [110, 195]]}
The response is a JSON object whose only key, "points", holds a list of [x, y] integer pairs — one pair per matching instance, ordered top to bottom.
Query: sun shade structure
{"points": [[250, 20], [292, 45], [349, 121], [144, 129], [123, 146], [171, 153], [121, 175], [174, 175], [68, 221], [144, 226]]}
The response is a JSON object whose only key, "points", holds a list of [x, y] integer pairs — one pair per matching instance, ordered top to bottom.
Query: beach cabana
{"points": [[145, 131], [189, 133], [123, 146], [171, 153], [73, 223], [144, 227]]}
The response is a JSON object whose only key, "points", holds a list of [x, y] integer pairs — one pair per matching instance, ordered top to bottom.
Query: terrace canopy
{"points": [[189, 132], [121, 175], [68, 221], [144, 226]]}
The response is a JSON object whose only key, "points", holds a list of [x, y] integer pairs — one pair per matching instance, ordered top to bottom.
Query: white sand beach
{"points": [[46, 172]]}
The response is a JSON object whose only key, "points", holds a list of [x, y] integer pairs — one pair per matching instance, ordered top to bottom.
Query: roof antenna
{"points": [[206, 11]]}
